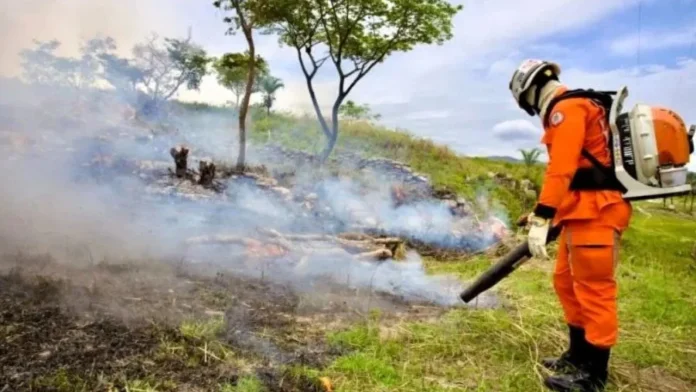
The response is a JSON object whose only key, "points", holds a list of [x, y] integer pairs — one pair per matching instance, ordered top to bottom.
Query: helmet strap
{"points": [[545, 76], [537, 97]]}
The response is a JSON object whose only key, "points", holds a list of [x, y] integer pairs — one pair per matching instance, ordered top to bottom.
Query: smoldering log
{"points": [[180, 155], [207, 173], [354, 236], [295, 237], [344, 238], [221, 239], [387, 241], [350, 242], [357, 246], [359, 250], [379, 254]]}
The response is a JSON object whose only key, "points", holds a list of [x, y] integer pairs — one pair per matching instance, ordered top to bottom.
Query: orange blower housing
{"points": [[671, 137], [660, 145]]}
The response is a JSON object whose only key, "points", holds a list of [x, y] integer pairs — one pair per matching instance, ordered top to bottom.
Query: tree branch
{"points": [[387, 47], [308, 78]]}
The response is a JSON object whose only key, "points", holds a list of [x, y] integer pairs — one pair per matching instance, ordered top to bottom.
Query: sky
{"points": [[456, 93]]}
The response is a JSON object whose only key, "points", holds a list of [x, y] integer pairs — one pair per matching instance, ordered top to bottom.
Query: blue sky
{"points": [[455, 93]]}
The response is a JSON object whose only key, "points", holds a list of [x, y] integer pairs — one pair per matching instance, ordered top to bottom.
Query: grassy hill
{"points": [[467, 176], [498, 350]]}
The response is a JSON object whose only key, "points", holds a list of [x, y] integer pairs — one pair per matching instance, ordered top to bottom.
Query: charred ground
{"points": [[155, 325]]}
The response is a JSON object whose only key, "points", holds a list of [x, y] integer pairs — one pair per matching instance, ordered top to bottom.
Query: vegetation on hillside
{"points": [[355, 36], [466, 349]]}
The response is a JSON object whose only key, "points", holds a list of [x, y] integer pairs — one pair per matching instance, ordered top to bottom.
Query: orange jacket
{"points": [[574, 123]]}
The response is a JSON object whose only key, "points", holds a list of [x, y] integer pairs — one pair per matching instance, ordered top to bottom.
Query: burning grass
{"points": [[64, 328]]}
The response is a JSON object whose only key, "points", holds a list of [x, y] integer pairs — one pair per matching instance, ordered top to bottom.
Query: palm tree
{"points": [[269, 85], [530, 157]]}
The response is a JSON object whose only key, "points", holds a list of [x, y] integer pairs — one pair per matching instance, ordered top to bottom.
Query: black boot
{"points": [[572, 357], [590, 377]]}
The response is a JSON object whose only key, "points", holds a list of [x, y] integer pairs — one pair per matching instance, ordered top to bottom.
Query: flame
{"points": [[259, 250]]}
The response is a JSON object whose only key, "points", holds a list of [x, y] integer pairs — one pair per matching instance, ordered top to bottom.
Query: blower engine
{"points": [[651, 148]]}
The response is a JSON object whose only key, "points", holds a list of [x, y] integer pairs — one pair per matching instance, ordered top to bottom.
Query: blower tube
{"points": [[504, 267]]}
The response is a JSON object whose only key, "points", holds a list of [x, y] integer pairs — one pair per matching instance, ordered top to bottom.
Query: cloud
{"points": [[629, 45], [455, 93], [513, 130]]}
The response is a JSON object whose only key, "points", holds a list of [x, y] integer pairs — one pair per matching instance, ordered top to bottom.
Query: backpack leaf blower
{"points": [[650, 148]]}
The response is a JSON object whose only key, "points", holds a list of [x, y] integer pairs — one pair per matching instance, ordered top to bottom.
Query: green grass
{"points": [[498, 350], [245, 384]]}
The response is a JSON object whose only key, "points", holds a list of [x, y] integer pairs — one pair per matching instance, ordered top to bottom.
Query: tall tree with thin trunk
{"points": [[243, 20], [357, 35], [232, 70]]}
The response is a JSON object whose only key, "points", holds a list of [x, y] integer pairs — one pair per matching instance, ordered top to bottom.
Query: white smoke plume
{"points": [[55, 200]]}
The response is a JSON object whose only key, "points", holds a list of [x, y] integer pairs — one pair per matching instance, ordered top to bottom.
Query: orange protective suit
{"points": [[593, 221]]}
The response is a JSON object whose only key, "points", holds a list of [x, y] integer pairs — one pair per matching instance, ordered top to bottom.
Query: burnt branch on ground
{"points": [[359, 246]]}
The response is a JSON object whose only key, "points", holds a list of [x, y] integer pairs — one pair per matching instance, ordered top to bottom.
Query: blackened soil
{"points": [[44, 347]]}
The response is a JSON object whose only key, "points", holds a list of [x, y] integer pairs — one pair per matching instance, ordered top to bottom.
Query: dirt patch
{"points": [[100, 326], [47, 347]]}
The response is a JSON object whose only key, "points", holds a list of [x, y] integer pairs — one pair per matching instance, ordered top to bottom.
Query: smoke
{"points": [[74, 187]]}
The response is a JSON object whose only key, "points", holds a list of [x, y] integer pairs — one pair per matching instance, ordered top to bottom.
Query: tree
{"points": [[243, 20], [359, 34], [42, 66], [166, 66], [232, 69], [123, 74], [269, 85], [357, 112], [530, 157]]}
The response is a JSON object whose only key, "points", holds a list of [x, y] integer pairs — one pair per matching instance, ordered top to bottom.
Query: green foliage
{"points": [[243, 17], [358, 35], [168, 65], [42, 66], [157, 69], [232, 71], [269, 85], [353, 111], [531, 157], [202, 329], [60, 381], [245, 384]]}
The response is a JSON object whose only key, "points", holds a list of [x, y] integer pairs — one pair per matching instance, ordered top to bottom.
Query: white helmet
{"points": [[529, 74]]}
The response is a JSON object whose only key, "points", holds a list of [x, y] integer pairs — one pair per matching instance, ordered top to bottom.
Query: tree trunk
{"points": [[247, 96], [317, 109], [331, 143], [180, 155], [207, 170]]}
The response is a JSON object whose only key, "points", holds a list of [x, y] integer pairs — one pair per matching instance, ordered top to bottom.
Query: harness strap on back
{"points": [[599, 177]]}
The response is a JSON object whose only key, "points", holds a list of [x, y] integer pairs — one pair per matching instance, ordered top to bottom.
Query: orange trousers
{"points": [[584, 276]]}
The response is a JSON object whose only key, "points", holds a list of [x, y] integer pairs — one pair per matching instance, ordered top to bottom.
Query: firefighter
{"points": [[592, 220]]}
